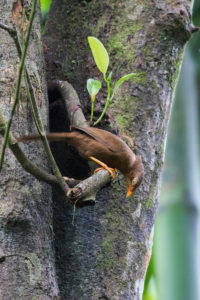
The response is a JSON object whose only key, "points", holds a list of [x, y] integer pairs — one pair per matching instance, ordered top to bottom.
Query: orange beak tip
{"points": [[130, 189], [129, 192]]}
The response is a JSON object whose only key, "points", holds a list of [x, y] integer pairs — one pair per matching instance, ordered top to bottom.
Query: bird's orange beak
{"points": [[130, 189]]}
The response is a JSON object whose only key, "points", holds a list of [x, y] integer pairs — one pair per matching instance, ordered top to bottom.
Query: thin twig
{"points": [[10, 30], [13, 33], [18, 83], [34, 109], [38, 122], [23, 160], [37, 172], [3, 258]]}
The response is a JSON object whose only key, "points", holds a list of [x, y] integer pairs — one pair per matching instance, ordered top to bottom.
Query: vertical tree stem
{"points": [[19, 76], [31, 98], [38, 122]]}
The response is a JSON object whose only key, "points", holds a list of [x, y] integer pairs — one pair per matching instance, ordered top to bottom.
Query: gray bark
{"points": [[26, 235], [106, 254]]}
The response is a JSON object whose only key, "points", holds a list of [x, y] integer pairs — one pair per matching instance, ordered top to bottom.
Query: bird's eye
{"points": [[134, 180]]}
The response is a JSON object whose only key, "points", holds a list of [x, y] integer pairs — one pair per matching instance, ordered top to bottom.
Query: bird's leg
{"points": [[103, 166]]}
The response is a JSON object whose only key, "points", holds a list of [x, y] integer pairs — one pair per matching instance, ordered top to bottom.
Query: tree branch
{"points": [[72, 103], [27, 164], [86, 190]]}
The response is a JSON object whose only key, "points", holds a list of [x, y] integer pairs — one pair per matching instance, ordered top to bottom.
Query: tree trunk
{"points": [[26, 234], [106, 254]]}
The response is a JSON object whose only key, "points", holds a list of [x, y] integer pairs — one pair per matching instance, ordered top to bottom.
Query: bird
{"points": [[104, 148]]}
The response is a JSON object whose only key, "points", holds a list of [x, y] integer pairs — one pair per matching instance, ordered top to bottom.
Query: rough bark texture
{"points": [[26, 235], [106, 254]]}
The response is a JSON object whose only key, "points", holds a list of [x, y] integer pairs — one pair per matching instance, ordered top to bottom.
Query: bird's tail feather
{"points": [[56, 136]]}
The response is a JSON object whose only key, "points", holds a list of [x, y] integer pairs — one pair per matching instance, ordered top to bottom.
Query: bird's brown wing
{"points": [[95, 134], [107, 139]]}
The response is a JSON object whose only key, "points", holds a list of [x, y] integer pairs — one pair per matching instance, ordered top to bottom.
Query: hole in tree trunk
{"points": [[69, 161], [71, 165]]}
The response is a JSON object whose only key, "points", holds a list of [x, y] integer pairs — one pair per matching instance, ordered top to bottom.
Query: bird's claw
{"points": [[110, 170]]}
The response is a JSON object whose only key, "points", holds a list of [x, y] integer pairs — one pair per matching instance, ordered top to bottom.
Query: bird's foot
{"points": [[104, 166], [110, 170]]}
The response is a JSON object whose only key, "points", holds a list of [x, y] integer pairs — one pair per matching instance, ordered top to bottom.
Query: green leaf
{"points": [[45, 6], [100, 54], [120, 81], [93, 87]]}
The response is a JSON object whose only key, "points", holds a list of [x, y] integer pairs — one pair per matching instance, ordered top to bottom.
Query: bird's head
{"points": [[135, 175]]}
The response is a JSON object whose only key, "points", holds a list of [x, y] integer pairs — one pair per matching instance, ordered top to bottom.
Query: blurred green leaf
{"points": [[45, 6], [196, 13], [100, 54], [120, 81], [93, 87], [176, 230], [150, 285], [151, 292]]}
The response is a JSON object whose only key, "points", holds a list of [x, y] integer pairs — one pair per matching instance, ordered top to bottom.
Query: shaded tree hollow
{"points": [[69, 161]]}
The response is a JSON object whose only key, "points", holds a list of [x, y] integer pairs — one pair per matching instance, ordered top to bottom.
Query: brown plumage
{"points": [[94, 143]]}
